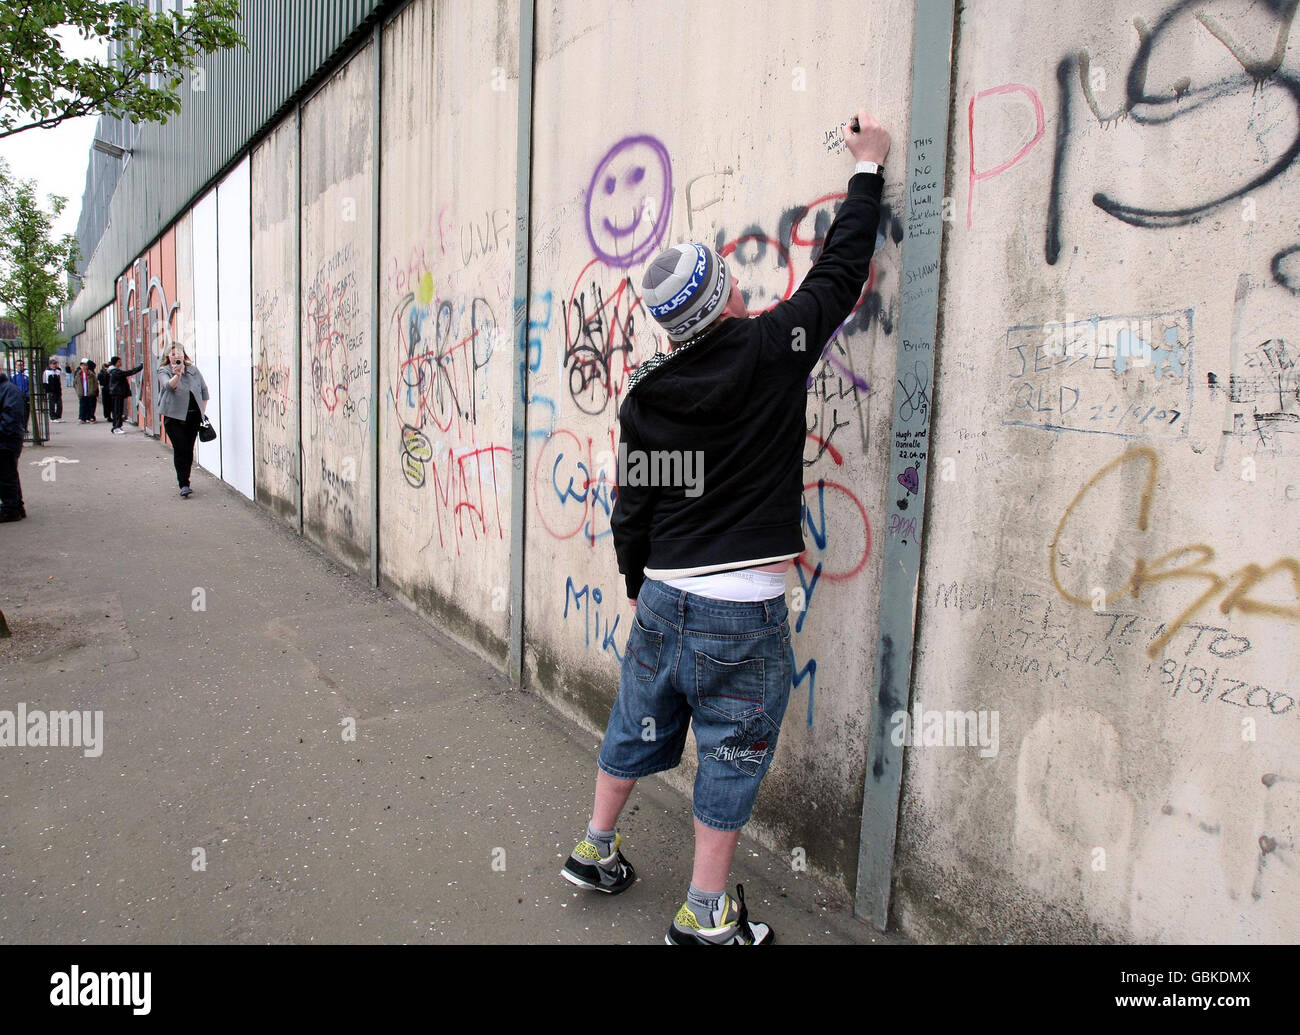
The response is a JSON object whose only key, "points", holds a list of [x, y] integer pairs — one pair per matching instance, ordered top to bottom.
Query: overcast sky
{"points": [[56, 158]]}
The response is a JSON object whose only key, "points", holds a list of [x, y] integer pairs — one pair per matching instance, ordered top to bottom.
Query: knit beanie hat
{"points": [[686, 288]]}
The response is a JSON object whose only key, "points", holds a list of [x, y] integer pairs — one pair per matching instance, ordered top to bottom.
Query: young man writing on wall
{"points": [[705, 558]]}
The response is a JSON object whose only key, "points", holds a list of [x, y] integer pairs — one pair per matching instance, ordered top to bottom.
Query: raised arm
{"points": [[796, 331]]}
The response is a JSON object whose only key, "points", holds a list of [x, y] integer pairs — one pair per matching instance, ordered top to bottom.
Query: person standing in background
{"points": [[102, 378], [21, 379], [87, 389], [119, 389], [54, 390], [182, 400], [13, 418]]}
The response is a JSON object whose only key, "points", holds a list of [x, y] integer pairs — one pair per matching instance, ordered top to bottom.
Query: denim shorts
{"points": [[725, 666]]}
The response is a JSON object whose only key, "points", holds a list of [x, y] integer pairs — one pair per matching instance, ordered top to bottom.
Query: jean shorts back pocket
{"points": [[643, 649], [729, 689]]}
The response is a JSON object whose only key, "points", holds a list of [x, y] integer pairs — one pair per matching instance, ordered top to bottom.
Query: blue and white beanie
{"points": [[686, 288]]}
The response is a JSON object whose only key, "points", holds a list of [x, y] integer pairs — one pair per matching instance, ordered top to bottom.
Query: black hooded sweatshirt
{"points": [[735, 398]]}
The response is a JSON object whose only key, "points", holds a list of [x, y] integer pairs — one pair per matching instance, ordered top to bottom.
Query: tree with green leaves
{"points": [[40, 86], [34, 266]]}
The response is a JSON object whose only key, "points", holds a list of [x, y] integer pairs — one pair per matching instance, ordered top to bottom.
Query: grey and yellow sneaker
{"points": [[586, 868], [732, 925]]}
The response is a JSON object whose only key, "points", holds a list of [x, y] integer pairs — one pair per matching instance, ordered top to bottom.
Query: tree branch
{"points": [[18, 34], [86, 104]]}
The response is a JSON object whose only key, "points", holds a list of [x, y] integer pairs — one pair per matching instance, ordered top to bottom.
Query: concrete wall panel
{"points": [[450, 96], [733, 153], [275, 270], [337, 272], [1111, 567]]}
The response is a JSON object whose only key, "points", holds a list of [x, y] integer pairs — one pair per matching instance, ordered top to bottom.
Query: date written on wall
{"points": [[1124, 376]]}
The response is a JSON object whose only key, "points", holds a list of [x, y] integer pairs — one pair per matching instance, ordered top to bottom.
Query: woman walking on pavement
{"points": [[182, 400]]}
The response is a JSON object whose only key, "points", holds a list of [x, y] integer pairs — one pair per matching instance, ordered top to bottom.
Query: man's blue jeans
{"points": [[724, 667]]}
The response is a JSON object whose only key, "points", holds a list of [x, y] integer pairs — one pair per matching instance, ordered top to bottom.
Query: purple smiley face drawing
{"points": [[628, 201]]}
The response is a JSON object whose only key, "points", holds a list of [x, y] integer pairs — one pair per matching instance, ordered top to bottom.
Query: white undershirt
{"points": [[664, 574], [747, 584]]}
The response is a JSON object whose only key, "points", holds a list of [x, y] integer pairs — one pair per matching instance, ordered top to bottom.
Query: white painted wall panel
{"points": [[234, 246], [205, 317]]}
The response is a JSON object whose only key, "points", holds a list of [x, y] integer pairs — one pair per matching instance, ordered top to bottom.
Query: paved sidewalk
{"points": [[223, 731]]}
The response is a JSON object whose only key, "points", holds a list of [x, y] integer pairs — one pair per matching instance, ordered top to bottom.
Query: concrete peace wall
{"points": [[738, 160], [337, 273], [275, 276], [446, 297], [1111, 561], [1102, 735]]}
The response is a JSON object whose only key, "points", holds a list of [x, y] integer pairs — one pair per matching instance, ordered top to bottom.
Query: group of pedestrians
{"points": [[115, 382], [111, 385], [182, 399]]}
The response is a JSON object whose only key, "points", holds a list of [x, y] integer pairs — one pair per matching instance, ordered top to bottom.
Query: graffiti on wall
{"points": [[1147, 106], [1273, 119], [629, 201], [149, 321], [443, 341], [336, 343], [271, 376], [1130, 377], [1261, 389], [336, 391], [273, 401], [1236, 591], [584, 606]]}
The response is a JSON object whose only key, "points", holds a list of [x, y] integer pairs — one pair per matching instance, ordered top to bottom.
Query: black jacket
{"points": [[117, 379], [736, 398], [13, 414]]}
